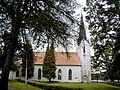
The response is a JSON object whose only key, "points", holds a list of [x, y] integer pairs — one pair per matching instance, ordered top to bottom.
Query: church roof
{"points": [[61, 58]]}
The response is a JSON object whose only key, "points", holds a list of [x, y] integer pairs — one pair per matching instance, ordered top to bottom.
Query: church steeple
{"points": [[82, 33], [83, 51]]}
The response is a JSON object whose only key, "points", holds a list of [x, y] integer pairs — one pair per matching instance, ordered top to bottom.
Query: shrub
{"points": [[114, 84], [48, 87]]}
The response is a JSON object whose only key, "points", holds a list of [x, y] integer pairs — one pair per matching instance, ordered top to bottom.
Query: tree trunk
{"points": [[10, 54], [6, 70], [111, 79], [118, 79], [50, 80]]}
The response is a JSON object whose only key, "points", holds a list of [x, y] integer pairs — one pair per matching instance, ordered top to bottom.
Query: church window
{"points": [[84, 49], [39, 73], [17, 74], [59, 74], [70, 74]]}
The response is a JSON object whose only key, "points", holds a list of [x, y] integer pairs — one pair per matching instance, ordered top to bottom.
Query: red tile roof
{"points": [[61, 58]]}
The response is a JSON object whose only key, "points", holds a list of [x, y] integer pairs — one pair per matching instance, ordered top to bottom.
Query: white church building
{"points": [[75, 68]]}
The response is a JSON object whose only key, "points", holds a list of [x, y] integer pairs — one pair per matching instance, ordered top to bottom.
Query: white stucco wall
{"points": [[76, 73], [12, 75]]}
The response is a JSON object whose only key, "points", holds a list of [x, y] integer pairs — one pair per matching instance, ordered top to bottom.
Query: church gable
{"points": [[61, 58]]}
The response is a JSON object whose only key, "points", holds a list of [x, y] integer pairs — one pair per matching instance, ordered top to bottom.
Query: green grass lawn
{"points": [[21, 86], [87, 86], [98, 86]]}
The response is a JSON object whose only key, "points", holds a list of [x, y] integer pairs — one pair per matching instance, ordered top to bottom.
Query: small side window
{"points": [[84, 49], [39, 73], [17, 74], [59, 74], [70, 74]]}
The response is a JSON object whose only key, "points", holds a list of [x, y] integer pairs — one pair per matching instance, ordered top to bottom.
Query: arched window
{"points": [[84, 49], [39, 73], [17, 74], [59, 74], [70, 74]]}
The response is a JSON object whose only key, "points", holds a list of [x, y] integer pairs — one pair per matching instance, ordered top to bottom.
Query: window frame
{"points": [[84, 49], [39, 73], [17, 74], [59, 74], [70, 74]]}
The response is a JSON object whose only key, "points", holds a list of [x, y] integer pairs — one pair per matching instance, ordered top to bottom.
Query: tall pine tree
{"points": [[27, 59], [49, 66]]}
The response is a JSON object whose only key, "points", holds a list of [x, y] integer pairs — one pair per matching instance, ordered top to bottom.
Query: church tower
{"points": [[83, 51]]}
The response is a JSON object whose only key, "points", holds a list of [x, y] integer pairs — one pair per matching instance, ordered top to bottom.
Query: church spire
{"points": [[82, 33]]}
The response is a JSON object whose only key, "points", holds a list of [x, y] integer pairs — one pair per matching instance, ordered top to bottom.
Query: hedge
{"points": [[114, 84], [48, 87]]}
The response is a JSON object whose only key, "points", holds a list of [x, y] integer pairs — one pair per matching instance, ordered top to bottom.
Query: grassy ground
{"points": [[14, 85], [85, 86], [98, 86]]}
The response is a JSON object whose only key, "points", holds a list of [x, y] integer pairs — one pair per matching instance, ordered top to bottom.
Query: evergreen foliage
{"points": [[104, 24], [28, 59], [14, 66], [49, 66]]}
